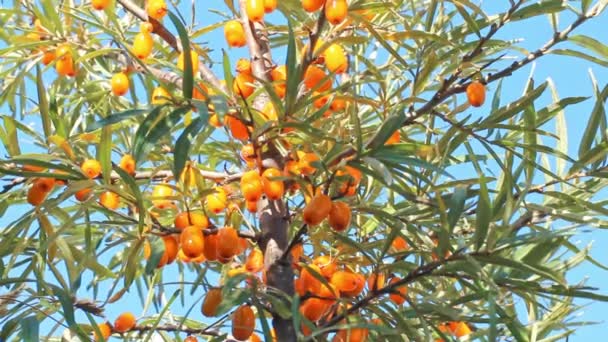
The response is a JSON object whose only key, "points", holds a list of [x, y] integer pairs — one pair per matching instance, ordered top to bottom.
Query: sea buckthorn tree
{"points": [[341, 170]]}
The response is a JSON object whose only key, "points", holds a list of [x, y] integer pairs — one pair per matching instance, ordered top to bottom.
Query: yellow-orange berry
{"points": [[100, 5], [270, 5], [312, 5], [157, 9], [255, 10], [336, 11], [235, 33], [142, 45], [335, 59], [120, 84], [476, 93], [160, 96], [127, 163], [91, 168], [273, 188], [35, 197], [110, 200], [217, 201], [317, 209], [339, 216], [211, 302], [124, 322], [243, 322], [106, 331]]}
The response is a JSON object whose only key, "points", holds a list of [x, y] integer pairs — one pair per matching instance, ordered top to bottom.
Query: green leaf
{"points": [[536, 9], [591, 44], [227, 71], [294, 72], [188, 77], [43, 103], [513, 108], [115, 118], [388, 128], [591, 129], [12, 141], [184, 142], [104, 153], [456, 206], [483, 214], [157, 247], [29, 329]]}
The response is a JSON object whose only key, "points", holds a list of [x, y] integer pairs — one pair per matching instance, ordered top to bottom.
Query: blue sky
{"points": [[571, 77]]}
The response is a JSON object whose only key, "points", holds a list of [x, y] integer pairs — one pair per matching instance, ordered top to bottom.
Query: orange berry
{"points": [[100, 5], [312, 5], [270, 6], [157, 9], [255, 10], [336, 11], [235, 34], [142, 45], [48, 57], [193, 59], [335, 59], [65, 62], [243, 66], [279, 76], [313, 78], [120, 84], [243, 85], [202, 93], [476, 93], [160, 96], [320, 100], [338, 104], [214, 120], [237, 128], [394, 138], [248, 153], [306, 161], [127, 163], [91, 168], [44, 184], [251, 186], [273, 188], [83, 194], [160, 194], [35, 197], [110, 200], [217, 201], [252, 206], [317, 209], [339, 216], [192, 218], [192, 241], [227, 242], [399, 244], [171, 248], [210, 249], [296, 254], [255, 261], [326, 266], [308, 280], [376, 281], [348, 283], [398, 296], [212, 300], [313, 309], [124, 322], [243, 322], [460, 329], [106, 331], [351, 335], [191, 338], [255, 338]]}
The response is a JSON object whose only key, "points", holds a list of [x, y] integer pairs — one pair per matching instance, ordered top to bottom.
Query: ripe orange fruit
{"points": [[100, 5], [312, 5], [270, 6], [157, 9], [255, 10], [336, 11], [235, 34], [142, 45], [48, 57], [193, 59], [335, 59], [65, 62], [243, 66], [279, 77], [313, 78], [120, 84], [243, 85], [476, 93], [160, 96], [320, 100], [338, 104], [214, 120], [237, 128], [394, 138], [248, 153], [306, 160], [127, 163], [91, 168], [353, 178], [44, 184], [251, 186], [273, 188], [82, 194], [160, 194], [35, 197], [110, 200], [217, 201], [317, 209], [339, 216], [192, 218], [192, 241], [227, 242], [399, 244], [171, 248], [210, 248], [296, 254], [255, 261], [326, 266], [308, 280], [376, 281], [348, 283], [397, 297], [211, 302], [313, 309], [124, 322], [243, 322], [460, 329], [106, 331], [351, 335], [190, 338], [255, 338]]}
